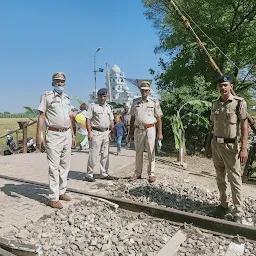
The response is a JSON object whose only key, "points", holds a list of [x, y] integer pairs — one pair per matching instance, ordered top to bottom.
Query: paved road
{"points": [[21, 203]]}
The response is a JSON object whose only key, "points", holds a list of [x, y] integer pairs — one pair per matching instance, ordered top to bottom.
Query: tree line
{"points": [[32, 113]]}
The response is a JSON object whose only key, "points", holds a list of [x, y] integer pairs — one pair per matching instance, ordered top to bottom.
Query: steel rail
{"points": [[223, 227], [16, 248], [6, 253]]}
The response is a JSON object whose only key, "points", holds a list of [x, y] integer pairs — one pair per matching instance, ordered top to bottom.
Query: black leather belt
{"points": [[99, 130], [225, 140]]}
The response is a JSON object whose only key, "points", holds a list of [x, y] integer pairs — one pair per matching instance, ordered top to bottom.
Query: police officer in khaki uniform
{"points": [[54, 111], [145, 121], [229, 121], [99, 123]]}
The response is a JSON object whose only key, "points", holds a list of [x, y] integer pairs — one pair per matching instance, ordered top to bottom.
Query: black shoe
{"points": [[135, 177], [109, 178], [89, 179], [220, 211]]}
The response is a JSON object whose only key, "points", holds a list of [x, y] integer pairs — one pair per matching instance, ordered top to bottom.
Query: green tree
{"points": [[230, 24], [226, 29], [194, 116]]}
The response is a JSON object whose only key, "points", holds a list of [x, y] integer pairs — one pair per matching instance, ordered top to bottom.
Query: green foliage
{"points": [[230, 24], [186, 71], [178, 98], [79, 100], [115, 105], [31, 111], [18, 115], [193, 118], [176, 126]]}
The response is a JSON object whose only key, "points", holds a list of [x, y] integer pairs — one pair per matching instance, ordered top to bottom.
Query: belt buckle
{"points": [[141, 127], [62, 130], [220, 140]]}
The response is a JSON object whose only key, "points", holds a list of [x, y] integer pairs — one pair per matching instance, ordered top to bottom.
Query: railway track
{"points": [[217, 227]]}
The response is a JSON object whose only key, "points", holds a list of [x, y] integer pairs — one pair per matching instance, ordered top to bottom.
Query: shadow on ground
{"points": [[75, 175], [27, 190]]}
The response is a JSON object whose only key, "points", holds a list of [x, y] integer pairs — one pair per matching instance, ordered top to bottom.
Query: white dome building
{"points": [[115, 69], [119, 90]]}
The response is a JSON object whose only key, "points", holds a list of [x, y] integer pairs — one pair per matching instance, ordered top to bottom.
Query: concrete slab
{"points": [[22, 203], [173, 244]]}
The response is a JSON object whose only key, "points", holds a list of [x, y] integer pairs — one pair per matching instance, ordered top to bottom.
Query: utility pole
{"points": [[95, 73], [108, 82]]}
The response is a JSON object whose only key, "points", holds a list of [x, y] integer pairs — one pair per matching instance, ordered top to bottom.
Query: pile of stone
{"points": [[181, 196], [92, 228]]}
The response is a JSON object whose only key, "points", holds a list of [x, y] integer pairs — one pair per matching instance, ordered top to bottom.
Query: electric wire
{"points": [[214, 42]]}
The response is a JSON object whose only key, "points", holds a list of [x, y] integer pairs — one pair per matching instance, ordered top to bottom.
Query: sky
{"points": [[41, 37]]}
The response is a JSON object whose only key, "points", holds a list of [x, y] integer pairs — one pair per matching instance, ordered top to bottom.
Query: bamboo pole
{"points": [[201, 46]]}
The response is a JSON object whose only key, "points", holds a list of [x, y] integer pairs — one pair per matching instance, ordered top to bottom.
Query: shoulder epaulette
{"points": [[48, 93], [65, 95], [238, 98]]}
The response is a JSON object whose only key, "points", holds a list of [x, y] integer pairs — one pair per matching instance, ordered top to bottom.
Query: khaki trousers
{"points": [[145, 139], [99, 146], [58, 149], [226, 162]]}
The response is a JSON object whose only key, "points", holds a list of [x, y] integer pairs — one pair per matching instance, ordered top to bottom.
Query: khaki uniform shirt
{"points": [[56, 108], [145, 112], [100, 115], [227, 116]]}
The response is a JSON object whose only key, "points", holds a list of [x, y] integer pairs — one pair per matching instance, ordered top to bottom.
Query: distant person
{"points": [[54, 110], [72, 117], [126, 118], [145, 123], [99, 124], [82, 127], [119, 132]]}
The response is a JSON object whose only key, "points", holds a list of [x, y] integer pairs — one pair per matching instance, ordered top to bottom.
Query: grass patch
{"points": [[12, 123]]}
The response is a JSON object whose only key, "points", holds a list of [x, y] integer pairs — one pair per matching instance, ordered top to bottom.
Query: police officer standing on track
{"points": [[54, 110], [146, 119], [229, 121], [99, 123]]}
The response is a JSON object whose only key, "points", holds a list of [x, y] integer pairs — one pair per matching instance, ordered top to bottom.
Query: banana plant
{"points": [[79, 100], [30, 110], [177, 124]]}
